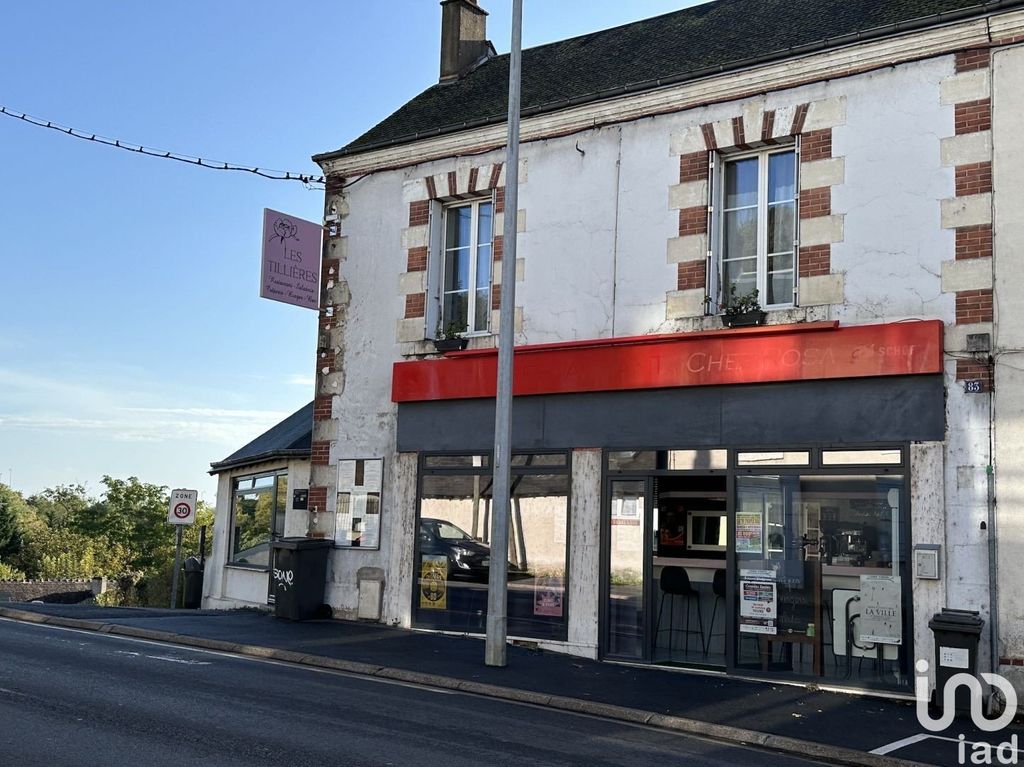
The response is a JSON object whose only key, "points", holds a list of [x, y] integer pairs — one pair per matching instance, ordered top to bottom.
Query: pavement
{"points": [[839, 728]]}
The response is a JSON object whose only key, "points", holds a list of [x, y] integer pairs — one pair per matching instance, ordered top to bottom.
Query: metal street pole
{"points": [[177, 565], [497, 598]]}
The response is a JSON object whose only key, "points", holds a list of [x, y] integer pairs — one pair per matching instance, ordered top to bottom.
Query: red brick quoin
{"points": [[974, 242], [973, 306], [320, 454]]}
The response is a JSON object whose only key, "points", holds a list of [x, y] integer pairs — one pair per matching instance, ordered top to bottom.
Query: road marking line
{"points": [[169, 659], [898, 744]]}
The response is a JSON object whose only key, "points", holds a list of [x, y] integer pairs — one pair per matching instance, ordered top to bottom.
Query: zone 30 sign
{"points": [[182, 508]]}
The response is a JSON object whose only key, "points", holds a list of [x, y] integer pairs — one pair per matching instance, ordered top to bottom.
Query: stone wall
{"points": [[59, 592]]}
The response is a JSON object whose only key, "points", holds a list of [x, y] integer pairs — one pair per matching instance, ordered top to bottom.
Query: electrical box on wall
{"points": [[926, 561]]}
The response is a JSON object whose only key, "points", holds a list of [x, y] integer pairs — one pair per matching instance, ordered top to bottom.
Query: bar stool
{"points": [[675, 582], [718, 589]]}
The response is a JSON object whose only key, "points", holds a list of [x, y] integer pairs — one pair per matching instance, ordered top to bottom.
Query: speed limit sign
{"points": [[182, 508]]}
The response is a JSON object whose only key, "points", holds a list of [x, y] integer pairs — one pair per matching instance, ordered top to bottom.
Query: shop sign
{"points": [[291, 260], [807, 352], [749, 532], [434, 582], [547, 597], [758, 602], [881, 613]]}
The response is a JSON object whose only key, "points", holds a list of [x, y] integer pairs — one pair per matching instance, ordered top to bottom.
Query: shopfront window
{"points": [[257, 517], [454, 552], [820, 576]]}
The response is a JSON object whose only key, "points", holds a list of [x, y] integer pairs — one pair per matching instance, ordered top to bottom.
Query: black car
{"points": [[468, 559]]}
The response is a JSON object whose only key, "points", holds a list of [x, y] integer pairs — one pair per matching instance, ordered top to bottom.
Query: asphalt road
{"points": [[91, 700]]}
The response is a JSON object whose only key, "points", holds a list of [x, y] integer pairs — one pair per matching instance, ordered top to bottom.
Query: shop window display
{"points": [[454, 555]]}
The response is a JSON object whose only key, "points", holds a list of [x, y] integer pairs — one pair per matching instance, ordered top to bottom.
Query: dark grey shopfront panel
{"points": [[848, 411]]}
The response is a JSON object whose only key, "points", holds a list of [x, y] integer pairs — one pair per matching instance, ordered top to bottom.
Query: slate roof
{"points": [[686, 44], [292, 438]]}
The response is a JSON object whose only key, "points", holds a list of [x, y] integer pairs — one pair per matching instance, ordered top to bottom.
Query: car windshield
{"points": [[450, 532]]}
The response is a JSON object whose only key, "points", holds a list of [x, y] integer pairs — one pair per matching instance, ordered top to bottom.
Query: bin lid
{"points": [[302, 543], [192, 564], [963, 621]]}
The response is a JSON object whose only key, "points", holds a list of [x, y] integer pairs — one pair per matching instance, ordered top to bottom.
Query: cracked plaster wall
{"points": [[893, 248]]}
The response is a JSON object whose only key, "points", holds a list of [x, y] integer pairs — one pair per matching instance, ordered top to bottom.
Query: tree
{"points": [[59, 505], [133, 515], [10, 529]]}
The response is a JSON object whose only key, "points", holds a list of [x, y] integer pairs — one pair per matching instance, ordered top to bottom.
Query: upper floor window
{"points": [[756, 231], [466, 275]]}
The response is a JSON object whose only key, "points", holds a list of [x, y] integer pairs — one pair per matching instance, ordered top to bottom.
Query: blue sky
{"points": [[132, 337]]}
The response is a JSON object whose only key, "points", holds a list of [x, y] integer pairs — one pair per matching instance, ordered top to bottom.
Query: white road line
{"points": [[170, 659], [898, 744]]}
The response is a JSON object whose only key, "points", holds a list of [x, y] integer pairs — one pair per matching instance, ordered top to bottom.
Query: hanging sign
{"points": [[291, 260]]}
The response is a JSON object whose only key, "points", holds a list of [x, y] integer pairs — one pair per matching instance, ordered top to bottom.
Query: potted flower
{"points": [[742, 311], [450, 338]]}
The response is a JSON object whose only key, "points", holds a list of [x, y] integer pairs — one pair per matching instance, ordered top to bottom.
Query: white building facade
{"points": [[796, 498]]}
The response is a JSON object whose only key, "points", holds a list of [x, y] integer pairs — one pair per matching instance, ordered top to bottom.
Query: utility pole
{"points": [[497, 593]]}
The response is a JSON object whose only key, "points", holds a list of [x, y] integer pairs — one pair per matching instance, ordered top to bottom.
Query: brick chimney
{"points": [[463, 37]]}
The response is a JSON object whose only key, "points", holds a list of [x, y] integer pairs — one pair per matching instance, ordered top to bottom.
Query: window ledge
{"points": [[792, 315], [425, 348], [247, 568]]}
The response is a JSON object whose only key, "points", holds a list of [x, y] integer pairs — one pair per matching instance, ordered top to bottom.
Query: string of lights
{"points": [[276, 175]]}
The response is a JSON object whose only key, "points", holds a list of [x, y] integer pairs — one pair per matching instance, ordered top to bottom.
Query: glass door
{"points": [[628, 562], [820, 576]]}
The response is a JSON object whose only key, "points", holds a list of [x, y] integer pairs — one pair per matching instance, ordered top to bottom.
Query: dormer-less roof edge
{"points": [[888, 30], [219, 466]]}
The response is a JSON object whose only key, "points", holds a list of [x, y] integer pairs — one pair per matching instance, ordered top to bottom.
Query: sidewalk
{"points": [[798, 720]]}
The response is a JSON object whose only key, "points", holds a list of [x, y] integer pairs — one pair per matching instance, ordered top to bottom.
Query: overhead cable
{"points": [[276, 175]]}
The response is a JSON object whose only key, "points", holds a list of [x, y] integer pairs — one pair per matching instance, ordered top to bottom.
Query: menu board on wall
{"points": [[357, 520]]}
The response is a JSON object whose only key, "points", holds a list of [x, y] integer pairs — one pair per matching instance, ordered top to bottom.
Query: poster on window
{"points": [[357, 520], [749, 532], [434, 582], [548, 596], [758, 603], [881, 612]]}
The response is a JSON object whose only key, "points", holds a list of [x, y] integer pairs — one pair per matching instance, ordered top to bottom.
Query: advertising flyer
{"points": [[749, 532], [434, 582], [548, 597], [758, 603], [881, 612]]}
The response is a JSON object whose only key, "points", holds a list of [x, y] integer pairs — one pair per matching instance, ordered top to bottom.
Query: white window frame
{"points": [[716, 281], [472, 286]]}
